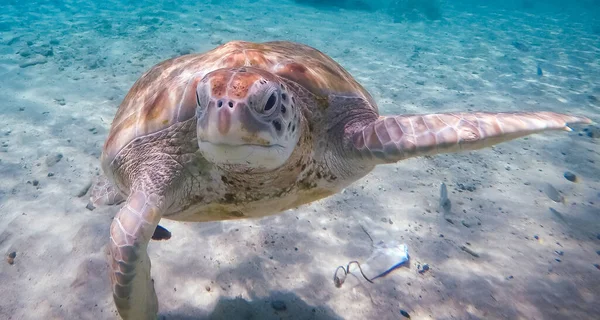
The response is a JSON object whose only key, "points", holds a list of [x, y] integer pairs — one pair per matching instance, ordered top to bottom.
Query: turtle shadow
{"points": [[278, 305]]}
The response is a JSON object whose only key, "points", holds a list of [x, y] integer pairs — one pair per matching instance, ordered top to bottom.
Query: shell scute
{"points": [[165, 94]]}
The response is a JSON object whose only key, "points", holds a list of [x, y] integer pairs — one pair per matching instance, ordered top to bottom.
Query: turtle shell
{"points": [[165, 94]]}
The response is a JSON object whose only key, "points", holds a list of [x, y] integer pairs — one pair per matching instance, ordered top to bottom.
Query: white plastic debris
{"points": [[386, 257]]}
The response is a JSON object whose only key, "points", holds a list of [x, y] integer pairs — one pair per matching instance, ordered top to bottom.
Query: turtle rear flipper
{"points": [[103, 193], [161, 233]]}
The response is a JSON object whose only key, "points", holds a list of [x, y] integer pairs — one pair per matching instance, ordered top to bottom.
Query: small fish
{"points": [[539, 71], [552, 193], [445, 203], [405, 314]]}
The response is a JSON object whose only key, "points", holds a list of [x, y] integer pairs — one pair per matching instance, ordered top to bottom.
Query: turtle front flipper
{"points": [[394, 138], [103, 193], [130, 232]]}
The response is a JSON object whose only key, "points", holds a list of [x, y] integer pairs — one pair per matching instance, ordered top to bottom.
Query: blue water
{"points": [[66, 65]]}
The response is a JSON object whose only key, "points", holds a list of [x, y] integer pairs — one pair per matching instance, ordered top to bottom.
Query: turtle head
{"points": [[247, 119]]}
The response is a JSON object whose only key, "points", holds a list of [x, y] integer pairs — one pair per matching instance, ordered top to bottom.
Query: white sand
{"points": [[466, 62]]}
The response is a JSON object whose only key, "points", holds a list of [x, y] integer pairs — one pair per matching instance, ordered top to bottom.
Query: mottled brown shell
{"points": [[165, 94]]}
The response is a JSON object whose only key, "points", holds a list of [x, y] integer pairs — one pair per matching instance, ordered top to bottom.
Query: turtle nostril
{"points": [[219, 104], [230, 104], [277, 125]]}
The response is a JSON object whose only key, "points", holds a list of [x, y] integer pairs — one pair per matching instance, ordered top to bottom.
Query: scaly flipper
{"points": [[394, 138], [103, 193], [130, 232]]}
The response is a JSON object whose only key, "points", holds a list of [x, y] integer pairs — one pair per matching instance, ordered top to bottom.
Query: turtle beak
{"points": [[229, 122], [230, 135]]}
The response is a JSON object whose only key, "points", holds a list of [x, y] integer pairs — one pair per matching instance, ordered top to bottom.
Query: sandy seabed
{"points": [[65, 67]]}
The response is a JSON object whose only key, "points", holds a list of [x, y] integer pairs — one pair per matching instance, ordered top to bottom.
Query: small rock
{"points": [[14, 40], [520, 46], [45, 51], [184, 51], [24, 53], [33, 61], [592, 131], [53, 159], [50, 174], [570, 176], [35, 183], [468, 187], [83, 191], [552, 193], [90, 206], [536, 237], [469, 251], [560, 253], [10, 258], [557, 259], [424, 268], [510, 277], [207, 288], [278, 305]]}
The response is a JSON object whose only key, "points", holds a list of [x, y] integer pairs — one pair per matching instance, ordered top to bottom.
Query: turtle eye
{"points": [[197, 99], [271, 102]]}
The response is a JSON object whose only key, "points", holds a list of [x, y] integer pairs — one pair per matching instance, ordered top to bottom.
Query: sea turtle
{"points": [[247, 130]]}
